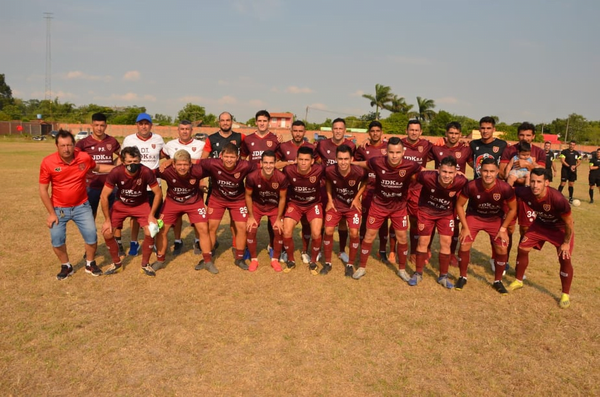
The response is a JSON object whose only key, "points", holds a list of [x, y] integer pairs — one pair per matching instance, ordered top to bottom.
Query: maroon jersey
{"points": [[253, 146], [326, 150], [288, 151], [101, 152], [368, 152], [419, 152], [460, 152], [537, 154], [391, 183], [228, 185], [344, 188], [133, 189], [182, 189], [304, 190], [266, 192], [435, 199], [487, 203], [549, 209]]}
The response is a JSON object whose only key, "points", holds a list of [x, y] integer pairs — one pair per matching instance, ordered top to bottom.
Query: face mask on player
{"points": [[133, 167]]}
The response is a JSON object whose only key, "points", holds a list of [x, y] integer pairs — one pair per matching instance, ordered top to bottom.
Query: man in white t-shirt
{"points": [[150, 146], [194, 147]]}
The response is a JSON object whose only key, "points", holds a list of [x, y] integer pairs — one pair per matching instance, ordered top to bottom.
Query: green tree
{"points": [[383, 95], [6, 97], [398, 105], [425, 109], [191, 112], [126, 115], [162, 119], [210, 120], [251, 122], [395, 123], [437, 125]]}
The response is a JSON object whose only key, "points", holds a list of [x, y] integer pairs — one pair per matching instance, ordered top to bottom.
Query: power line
{"points": [[48, 87]]}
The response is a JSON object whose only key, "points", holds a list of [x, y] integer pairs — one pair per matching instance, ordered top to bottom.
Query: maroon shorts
{"points": [[413, 200], [172, 210], [120, 212], [238, 212], [296, 212], [271, 214], [525, 214], [378, 215], [352, 216], [444, 225], [489, 225], [537, 235]]}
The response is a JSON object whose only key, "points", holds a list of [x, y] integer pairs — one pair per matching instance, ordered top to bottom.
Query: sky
{"points": [[525, 60]]}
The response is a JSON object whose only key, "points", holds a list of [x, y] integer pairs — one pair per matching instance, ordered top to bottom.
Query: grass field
{"points": [[265, 333]]}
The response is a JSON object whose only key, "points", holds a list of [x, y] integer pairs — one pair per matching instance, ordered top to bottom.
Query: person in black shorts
{"points": [[571, 159], [550, 167], [594, 178]]}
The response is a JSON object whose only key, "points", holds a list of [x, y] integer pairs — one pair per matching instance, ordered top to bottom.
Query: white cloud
{"points": [[411, 60], [79, 75], [132, 75], [223, 82], [275, 90], [297, 90], [358, 93], [54, 94], [131, 97], [192, 99], [227, 100], [449, 100], [257, 103], [319, 106]]}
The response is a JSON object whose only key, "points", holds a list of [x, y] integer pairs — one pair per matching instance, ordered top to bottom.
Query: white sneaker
{"points": [[305, 258], [359, 273]]}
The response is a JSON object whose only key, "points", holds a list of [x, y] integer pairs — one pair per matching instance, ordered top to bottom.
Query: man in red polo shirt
{"points": [[66, 171]]}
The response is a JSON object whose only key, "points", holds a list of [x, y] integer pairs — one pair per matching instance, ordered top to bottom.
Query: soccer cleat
{"points": [[570, 200], [591, 201], [134, 247], [177, 248], [197, 249], [121, 250], [270, 251], [383, 256], [283, 257], [305, 258], [344, 258], [241, 264], [158, 265], [201, 265], [253, 265], [276, 265], [289, 266], [114, 268], [211, 268], [313, 268], [93, 269], [326, 269], [65, 271], [148, 271], [349, 271], [361, 271], [402, 273], [415, 279], [444, 282], [460, 284], [515, 285], [498, 286], [564, 301]]}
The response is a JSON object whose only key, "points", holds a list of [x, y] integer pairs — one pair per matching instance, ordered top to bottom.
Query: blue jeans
{"points": [[83, 218]]}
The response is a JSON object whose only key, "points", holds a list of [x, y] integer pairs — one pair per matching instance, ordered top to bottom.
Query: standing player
{"points": [[217, 141], [150, 146], [488, 146], [374, 147], [195, 148], [570, 159], [550, 167], [66, 172], [227, 175], [393, 175], [594, 177], [133, 180], [345, 185], [266, 192], [184, 196], [488, 196], [304, 200], [436, 210], [553, 224]]}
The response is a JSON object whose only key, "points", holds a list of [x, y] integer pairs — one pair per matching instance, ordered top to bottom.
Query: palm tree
{"points": [[382, 97], [398, 105], [426, 107]]}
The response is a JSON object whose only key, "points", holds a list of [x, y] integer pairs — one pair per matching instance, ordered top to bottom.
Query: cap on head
{"points": [[143, 116]]}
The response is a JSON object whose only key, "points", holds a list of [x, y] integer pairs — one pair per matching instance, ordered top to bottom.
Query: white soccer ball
{"points": [[576, 203]]}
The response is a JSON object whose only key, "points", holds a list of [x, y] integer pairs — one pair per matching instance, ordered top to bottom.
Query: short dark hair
{"points": [[262, 113], [99, 117], [488, 119], [339, 120], [413, 121], [185, 122], [299, 122], [375, 123], [454, 124], [526, 126], [64, 134], [395, 141], [572, 141], [548, 142], [523, 147], [231, 148], [343, 149], [306, 150], [132, 151], [268, 153], [449, 160], [489, 160], [540, 172]]}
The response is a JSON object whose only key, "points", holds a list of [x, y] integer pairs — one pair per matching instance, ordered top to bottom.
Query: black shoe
{"points": [[570, 200], [591, 201], [177, 248], [197, 249], [241, 264], [201, 265], [289, 266], [313, 268], [93, 269], [326, 269], [65, 271], [349, 271], [460, 284], [498, 286]]}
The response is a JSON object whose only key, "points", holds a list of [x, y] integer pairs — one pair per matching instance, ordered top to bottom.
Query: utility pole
{"points": [[48, 87], [306, 115]]}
